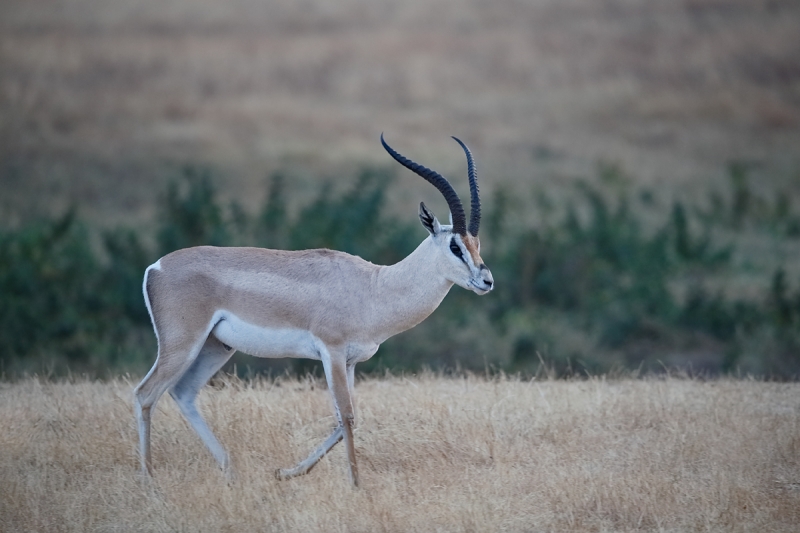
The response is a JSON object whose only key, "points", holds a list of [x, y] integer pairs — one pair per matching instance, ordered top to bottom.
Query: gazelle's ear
{"points": [[428, 219]]}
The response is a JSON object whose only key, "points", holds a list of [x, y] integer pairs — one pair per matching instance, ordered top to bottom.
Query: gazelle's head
{"points": [[458, 247]]}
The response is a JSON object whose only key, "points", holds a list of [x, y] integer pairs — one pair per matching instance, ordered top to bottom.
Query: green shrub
{"points": [[191, 215], [61, 307]]}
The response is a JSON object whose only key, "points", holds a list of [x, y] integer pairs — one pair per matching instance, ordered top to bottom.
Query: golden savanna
{"points": [[435, 454]]}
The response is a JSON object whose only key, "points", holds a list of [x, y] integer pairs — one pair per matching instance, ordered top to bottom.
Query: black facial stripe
{"points": [[456, 249]]}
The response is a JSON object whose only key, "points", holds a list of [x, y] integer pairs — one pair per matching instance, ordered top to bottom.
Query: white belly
{"points": [[265, 342]]}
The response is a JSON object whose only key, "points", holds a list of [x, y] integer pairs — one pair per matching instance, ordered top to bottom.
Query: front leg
{"points": [[336, 373], [351, 383], [340, 387], [304, 467]]}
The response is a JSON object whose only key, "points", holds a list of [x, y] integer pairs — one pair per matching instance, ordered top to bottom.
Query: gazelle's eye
{"points": [[455, 249]]}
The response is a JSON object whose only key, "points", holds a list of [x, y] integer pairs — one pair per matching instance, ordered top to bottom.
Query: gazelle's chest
{"points": [[358, 352]]}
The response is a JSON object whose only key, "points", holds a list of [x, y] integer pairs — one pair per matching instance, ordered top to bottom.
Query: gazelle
{"points": [[206, 302]]}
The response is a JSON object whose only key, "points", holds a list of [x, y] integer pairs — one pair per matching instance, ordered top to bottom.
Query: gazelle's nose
{"points": [[488, 280]]}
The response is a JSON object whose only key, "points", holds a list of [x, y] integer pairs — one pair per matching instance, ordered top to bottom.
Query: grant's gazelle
{"points": [[207, 302]]}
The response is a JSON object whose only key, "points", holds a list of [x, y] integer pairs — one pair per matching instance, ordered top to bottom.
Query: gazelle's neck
{"points": [[407, 292]]}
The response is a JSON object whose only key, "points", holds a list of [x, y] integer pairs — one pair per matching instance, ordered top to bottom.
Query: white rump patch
{"points": [[154, 266]]}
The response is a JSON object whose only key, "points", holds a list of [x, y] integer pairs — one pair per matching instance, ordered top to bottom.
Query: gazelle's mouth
{"points": [[481, 287]]}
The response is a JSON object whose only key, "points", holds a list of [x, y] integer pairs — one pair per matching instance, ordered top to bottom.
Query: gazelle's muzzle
{"points": [[484, 282]]}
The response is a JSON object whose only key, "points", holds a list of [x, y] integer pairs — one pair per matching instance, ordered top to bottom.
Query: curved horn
{"points": [[435, 179], [475, 200]]}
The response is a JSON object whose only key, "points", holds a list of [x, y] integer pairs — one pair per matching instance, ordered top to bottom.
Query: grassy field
{"points": [[99, 99], [436, 454]]}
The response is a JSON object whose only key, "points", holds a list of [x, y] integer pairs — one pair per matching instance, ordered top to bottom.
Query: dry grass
{"points": [[96, 94], [435, 455]]}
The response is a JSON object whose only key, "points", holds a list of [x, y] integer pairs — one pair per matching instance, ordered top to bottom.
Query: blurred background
{"points": [[639, 162]]}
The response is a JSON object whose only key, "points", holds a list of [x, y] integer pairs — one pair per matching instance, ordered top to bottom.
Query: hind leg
{"points": [[212, 356], [174, 358]]}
